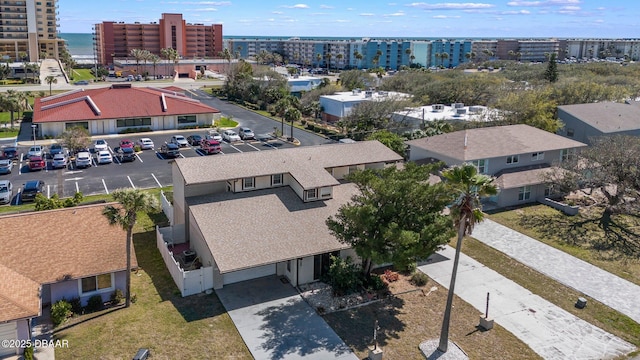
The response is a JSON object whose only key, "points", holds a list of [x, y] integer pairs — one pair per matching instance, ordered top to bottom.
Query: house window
{"points": [[182, 119], [133, 122], [71, 125], [570, 132], [566, 154], [537, 156], [513, 159], [481, 166], [353, 168], [276, 179], [248, 183], [548, 190], [524, 193], [311, 194], [96, 283]]}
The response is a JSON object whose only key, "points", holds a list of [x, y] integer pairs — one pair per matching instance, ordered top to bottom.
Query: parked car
{"points": [[81, 82], [246, 133], [213, 134], [230, 136], [179, 140], [194, 140], [126, 143], [145, 144], [100, 145], [210, 146], [56, 149], [35, 150], [170, 150], [9, 152], [126, 154], [104, 157], [83, 159], [59, 161], [36, 163], [6, 166], [31, 189], [6, 191]]}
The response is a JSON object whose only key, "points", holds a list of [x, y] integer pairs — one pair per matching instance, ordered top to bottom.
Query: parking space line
{"points": [[246, 143], [238, 150], [182, 156], [139, 158], [156, 179], [131, 182], [105, 186], [77, 187], [48, 191]]}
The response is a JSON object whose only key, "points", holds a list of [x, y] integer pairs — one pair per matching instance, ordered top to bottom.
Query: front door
{"points": [[321, 264]]}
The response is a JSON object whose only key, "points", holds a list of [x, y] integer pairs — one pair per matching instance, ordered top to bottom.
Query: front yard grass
{"points": [[82, 74], [553, 228], [172, 327]]}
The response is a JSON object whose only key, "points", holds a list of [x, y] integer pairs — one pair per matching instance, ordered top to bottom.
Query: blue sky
{"points": [[374, 18]]}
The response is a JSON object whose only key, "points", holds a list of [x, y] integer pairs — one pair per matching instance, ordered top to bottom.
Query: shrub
{"points": [[137, 148], [343, 276], [390, 276], [419, 278], [374, 282], [117, 297], [134, 298], [95, 303], [76, 305], [60, 311], [28, 352]]}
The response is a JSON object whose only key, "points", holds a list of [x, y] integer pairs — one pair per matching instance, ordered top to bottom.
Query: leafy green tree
{"points": [[551, 74], [355, 79], [532, 107], [373, 115], [75, 138], [391, 140], [465, 187], [125, 215], [396, 216]]}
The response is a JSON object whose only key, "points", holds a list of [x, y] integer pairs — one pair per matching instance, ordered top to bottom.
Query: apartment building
{"points": [[29, 29], [117, 39]]}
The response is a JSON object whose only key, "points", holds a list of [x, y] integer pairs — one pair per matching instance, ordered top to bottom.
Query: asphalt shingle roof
{"points": [[608, 117], [496, 141], [19, 296]]}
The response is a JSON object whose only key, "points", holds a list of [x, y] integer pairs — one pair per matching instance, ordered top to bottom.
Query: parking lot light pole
{"points": [[34, 126]]}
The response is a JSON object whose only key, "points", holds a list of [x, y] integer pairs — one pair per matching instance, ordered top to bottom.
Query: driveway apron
{"points": [[276, 323]]}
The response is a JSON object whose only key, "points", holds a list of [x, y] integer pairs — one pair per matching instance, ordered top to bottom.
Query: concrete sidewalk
{"points": [[609, 289], [550, 331]]}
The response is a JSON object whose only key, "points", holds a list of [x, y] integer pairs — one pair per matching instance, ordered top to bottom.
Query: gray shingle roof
{"points": [[608, 117], [496, 141], [307, 164], [522, 176], [278, 225]]}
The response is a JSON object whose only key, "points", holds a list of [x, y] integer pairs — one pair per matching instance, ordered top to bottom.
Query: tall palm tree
{"points": [[164, 52], [408, 52], [226, 54], [137, 55], [146, 56], [328, 56], [437, 56], [444, 56], [339, 57], [358, 57], [155, 59], [318, 59], [51, 80], [9, 102], [292, 114], [467, 187], [131, 202]]}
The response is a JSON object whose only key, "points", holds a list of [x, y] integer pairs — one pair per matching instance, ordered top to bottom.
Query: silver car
{"points": [[246, 133], [230, 136], [83, 159], [59, 161], [6, 166], [6, 191]]}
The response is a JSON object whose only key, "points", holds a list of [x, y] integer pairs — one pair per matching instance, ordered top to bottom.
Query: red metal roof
{"points": [[114, 103]]}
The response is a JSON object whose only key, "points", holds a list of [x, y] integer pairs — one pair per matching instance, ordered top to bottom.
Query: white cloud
{"points": [[214, 3], [543, 3], [296, 6], [450, 6], [326, 7], [570, 8], [207, 9], [350, 9], [277, 12], [515, 12], [398, 13], [367, 14], [445, 17], [271, 19], [342, 21], [599, 21]]}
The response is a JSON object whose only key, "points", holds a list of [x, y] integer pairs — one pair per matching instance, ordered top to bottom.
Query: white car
{"points": [[214, 135], [230, 136], [179, 140], [146, 144], [100, 145], [35, 150], [104, 157], [83, 159], [59, 161], [6, 191]]}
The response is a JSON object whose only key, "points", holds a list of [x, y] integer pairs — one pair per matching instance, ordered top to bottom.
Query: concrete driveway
{"points": [[276, 323]]}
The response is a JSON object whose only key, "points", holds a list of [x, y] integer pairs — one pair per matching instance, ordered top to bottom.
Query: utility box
{"points": [[486, 323], [375, 354]]}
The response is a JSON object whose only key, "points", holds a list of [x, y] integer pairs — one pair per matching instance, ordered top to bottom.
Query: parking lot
{"points": [[150, 169]]}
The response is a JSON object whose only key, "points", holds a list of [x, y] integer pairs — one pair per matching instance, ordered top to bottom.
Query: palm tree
{"points": [[164, 52], [408, 52], [226, 54], [138, 55], [146, 55], [328, 56], [357, 56], [437, 56], [444, 56], [339, 57], [318, 58], [155, 59], [51, 80], [9, 102], [292, 114], [467, 187], [131, 202]]}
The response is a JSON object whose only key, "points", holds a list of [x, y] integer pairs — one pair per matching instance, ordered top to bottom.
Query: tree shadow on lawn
{"points": [[192, 308], [355, 326]]}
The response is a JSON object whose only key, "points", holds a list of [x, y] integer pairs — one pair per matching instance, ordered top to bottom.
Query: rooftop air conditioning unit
{"points": [[368, 94], [457, 105], [437, 108], [475, 109], [461, 112]]}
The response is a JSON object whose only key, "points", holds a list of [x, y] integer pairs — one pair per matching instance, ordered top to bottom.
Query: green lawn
{"points": [[82, 74], [225, 122], [8, 134]]}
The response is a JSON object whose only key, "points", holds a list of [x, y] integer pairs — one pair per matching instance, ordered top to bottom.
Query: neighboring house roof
{"points": [[361, 95], [115, 102], [447, 113], [608, 117], [496, 141], [306, 164], [522, 176], [280, 227], [70, 243], [19, 296]]}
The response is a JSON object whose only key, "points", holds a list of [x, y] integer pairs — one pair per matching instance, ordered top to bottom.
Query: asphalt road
{"points": [[150, 169]]}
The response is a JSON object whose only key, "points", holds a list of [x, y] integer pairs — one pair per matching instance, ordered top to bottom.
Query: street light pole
{"points": [[34, 126]]}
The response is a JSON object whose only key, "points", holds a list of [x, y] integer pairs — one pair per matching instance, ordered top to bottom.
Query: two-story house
{"points": [[518, 156], [262, 213]]}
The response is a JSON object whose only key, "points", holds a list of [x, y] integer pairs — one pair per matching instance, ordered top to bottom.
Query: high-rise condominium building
{"points": [[29, 30], [116, 39]]}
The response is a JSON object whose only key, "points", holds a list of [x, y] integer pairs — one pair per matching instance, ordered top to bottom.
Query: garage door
{"points": [[248, 274], [8, 331]]}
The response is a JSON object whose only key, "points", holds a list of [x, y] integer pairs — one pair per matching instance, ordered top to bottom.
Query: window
{"points": [[186, 119], [133, 122], [71, 125], [570, 132], [566, 154], [537, 156], [513, 159], [481, 166], [353, 168], [276, 179], [248, 183], [548, 190], [524, 193], [311, 194], [96, 283]]}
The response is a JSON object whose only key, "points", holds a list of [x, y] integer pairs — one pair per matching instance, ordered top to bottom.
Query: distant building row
{"points": [[393, 53]]}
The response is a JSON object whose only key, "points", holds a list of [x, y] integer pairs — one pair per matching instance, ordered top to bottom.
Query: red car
{"points": [[126, 143], [210, 146], [37, 163]]}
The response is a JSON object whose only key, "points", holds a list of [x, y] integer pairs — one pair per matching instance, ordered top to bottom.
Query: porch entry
{"points": [[321, 264]]}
